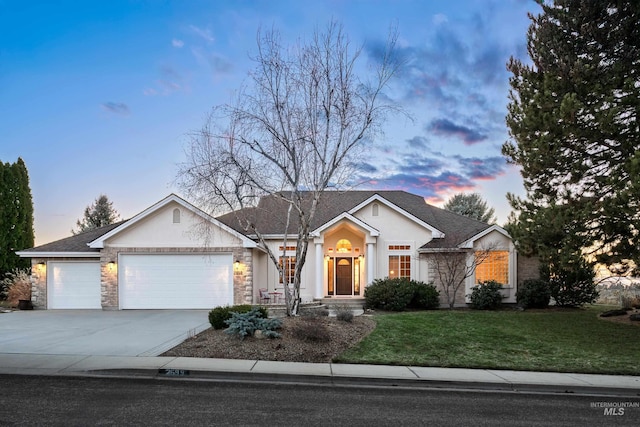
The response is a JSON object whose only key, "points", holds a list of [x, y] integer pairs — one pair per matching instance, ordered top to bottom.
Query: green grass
{"points": [[571, 340]]}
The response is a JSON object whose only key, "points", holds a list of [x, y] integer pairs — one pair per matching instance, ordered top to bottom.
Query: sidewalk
{"points": [[328, 373]]}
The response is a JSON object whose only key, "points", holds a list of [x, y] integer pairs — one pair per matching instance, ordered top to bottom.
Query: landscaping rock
{"points": [[610, 313], [635, 317]]}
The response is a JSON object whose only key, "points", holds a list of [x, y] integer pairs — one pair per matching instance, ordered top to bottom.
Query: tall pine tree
{"points": [[573, 118], [471, 205], [16, 215], [97, 215]]}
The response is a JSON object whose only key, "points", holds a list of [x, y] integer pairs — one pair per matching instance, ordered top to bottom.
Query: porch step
{"points": [[354, 303], [280, 310]]}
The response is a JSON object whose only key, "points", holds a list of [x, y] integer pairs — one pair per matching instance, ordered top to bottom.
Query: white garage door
{"points": [[159, 281], [73, 284]]}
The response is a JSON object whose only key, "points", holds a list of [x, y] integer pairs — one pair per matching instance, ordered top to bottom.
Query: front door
{"points": [[344, 278]]}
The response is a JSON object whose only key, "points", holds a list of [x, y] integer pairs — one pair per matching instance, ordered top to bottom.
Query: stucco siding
{"points": [[159, 230]]}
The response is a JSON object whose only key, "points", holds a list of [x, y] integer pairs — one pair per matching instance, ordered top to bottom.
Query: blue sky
{"points": [[99, 96]]}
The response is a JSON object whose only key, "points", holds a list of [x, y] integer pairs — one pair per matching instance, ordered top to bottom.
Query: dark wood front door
{"points": [[344, 278]]}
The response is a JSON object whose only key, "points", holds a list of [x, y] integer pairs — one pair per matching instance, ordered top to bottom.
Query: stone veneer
{"points": [[528, 268], [242, 277]]}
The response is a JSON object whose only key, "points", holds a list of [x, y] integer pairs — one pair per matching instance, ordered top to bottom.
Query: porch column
{"points": [[371, 260], [319, 271]]}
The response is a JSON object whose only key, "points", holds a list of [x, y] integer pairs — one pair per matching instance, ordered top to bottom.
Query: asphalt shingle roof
{"points": [[270, 214], [76, 243]]}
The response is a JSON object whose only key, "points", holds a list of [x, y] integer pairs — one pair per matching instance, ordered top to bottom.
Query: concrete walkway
{"points": [[331, 373]]}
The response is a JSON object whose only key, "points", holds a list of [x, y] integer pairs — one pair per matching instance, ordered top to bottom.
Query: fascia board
{"points": [[376, 197], [348, 216], [99, 242], [469, 242], [27, 254]]}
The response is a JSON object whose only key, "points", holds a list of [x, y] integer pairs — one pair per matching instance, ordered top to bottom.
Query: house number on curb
{"points": [[173, 372]]}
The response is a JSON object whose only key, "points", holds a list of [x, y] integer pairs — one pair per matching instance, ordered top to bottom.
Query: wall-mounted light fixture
{"points": [[112, 265], [236, 265]]}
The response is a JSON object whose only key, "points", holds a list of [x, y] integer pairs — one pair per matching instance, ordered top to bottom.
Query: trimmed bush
{"points": [[401, 293], [534, 294], [486, 295], [425, 296], [344, 313], [219, 315], [245, 324]]}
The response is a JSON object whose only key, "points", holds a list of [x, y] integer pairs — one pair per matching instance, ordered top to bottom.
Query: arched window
{"points": [[374, 209], [176, 216], [343, 246]]}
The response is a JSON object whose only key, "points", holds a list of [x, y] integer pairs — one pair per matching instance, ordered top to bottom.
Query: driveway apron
{"points": [[97, 332]]}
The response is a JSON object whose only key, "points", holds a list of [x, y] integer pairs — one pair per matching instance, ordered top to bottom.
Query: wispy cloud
{"points": [[439, 18], [205, 34], [177, 43], [216, 62], [170, 81], [118, 108], [445, 127], [418, 142], [486, 168], [433, 175]]}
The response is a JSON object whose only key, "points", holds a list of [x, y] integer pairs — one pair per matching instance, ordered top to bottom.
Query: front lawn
{"points": [[569, 340]]}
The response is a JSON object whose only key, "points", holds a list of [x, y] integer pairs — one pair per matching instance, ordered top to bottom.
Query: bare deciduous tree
{"points": [[292, 132], [452, 267]]}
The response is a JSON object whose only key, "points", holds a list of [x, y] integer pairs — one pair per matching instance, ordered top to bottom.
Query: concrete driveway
{"points": [[97, 332]]}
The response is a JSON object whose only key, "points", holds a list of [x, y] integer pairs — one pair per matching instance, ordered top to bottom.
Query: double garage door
{"points": [[146, 281]]}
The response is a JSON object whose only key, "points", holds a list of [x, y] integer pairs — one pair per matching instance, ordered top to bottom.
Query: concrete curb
{"points": [[331, 374]]}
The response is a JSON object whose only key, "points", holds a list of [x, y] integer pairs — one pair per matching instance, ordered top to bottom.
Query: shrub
{"points": [[572, 285], [17, 286], [400, 293], [534, 294], [486, 295], [425, 296], [626, 301], [343, 312], [219, 315], [245, 324], [310, 329]]}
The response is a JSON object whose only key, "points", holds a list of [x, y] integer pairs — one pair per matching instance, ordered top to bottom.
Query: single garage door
{"points": [[162, 281], [73, 284]]}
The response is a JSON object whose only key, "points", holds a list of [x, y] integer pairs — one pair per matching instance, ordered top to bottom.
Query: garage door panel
{"points": [[157, 281], [73, 285]]}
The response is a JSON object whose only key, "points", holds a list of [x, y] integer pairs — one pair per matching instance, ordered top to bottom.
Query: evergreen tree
{"points": [[575, 133], [472, 206], [98, 214], [16, 215]]}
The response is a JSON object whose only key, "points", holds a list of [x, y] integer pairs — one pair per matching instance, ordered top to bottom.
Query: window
{"points": [[374, 209], [176, 216], [343, 246], [399, 247], [399, 266], [494, 267], [289, 269]]}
